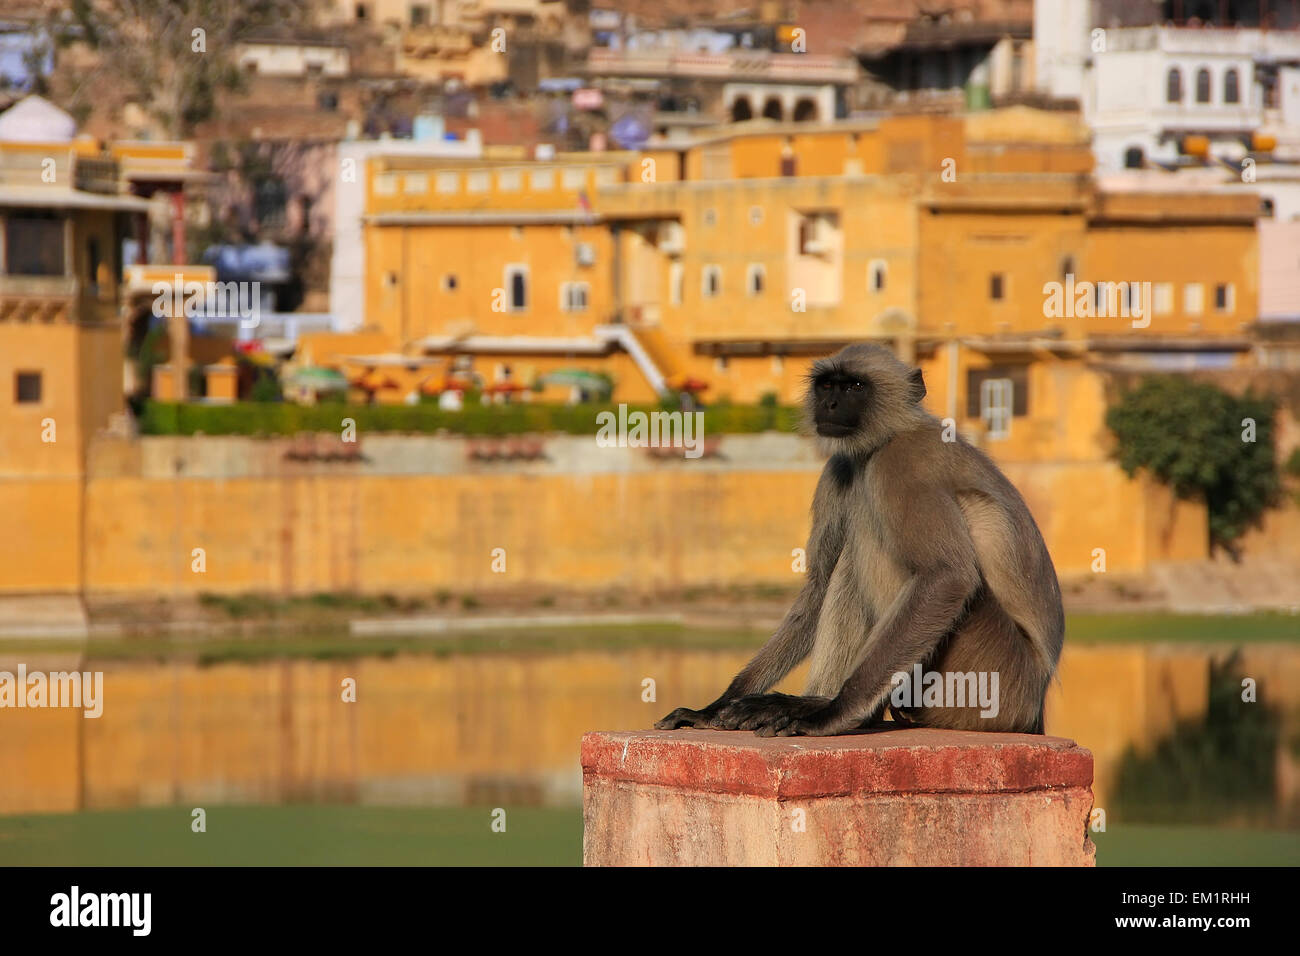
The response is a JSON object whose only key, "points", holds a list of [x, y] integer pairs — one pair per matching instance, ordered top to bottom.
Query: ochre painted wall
{"points": [[663, 527]]}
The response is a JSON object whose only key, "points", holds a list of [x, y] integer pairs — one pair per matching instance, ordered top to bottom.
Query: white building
{"points": [[274, 56], [1162, 94], [348, 262]]}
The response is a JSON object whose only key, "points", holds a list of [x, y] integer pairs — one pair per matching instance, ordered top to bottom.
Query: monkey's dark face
{"points": [[839, 403]]}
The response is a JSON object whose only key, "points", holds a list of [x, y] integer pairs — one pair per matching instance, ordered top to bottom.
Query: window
{"points": [[362, 11], [419, 14], [1202, 85], [1174, 86], [1231, 89], [327, 100], [1134, 158], [573, 177], [510, 180], [542, 180], [477, 182], [447, 183], [386, 184], [415, 184], [271, 202], [755, 215], [710, 217], [818, 233], [34, 245], [92, 264], [876, 276], [754, 279], [711, 281], [449, 283], [676, 283], [996, 287], [517, 288], [574, 296], [1115, 298], [1162, 298], [1193, 298], [1224, 298], [720, 363], [1017, 375], [27, 388], [996, 394], [996, 397]]}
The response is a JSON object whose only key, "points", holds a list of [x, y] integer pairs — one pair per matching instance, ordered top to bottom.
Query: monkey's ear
{"points": [[918, 385]]}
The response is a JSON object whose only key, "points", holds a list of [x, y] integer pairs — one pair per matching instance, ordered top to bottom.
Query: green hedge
{"points": [[283, 418]]}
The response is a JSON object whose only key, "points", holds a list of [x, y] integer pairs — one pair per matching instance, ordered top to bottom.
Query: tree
{"points": [[174, 56], [1200, 440]]}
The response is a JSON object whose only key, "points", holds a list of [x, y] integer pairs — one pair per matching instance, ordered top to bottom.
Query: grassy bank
{"points": [[327, 637], [406, 836]]}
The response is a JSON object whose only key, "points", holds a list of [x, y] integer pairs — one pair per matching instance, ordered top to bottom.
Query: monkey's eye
{"points": [[824, 385], [856, 386]]}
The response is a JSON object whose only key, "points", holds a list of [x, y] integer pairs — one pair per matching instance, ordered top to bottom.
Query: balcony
{"points": [[752, 65], [38, 298]]}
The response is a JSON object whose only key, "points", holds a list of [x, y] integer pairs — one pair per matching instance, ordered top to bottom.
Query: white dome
{"points": [[34, 119]]}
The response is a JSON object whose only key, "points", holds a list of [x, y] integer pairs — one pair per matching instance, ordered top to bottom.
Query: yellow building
{"points": [[66, 208], [61, 220], [979, 247], [501, 259]]}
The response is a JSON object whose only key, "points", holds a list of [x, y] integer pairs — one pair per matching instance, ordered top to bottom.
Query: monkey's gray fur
{"points": [[921, 552]]}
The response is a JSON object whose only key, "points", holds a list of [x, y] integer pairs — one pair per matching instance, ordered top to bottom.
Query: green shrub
{"points": [[285, 418], [1190, 435]]}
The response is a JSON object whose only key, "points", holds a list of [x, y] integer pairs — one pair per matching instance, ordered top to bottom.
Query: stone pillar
{"points": [[904, 797]]}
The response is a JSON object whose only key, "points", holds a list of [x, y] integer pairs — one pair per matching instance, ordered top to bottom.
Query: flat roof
{"points": [[38, 197]]}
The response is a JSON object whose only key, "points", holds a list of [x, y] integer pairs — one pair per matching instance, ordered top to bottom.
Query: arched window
{"points": [[1202, 85], [1174, 86], [1231, 90], [772, 109], [741, 110], [805, 111], [1134, 158]]}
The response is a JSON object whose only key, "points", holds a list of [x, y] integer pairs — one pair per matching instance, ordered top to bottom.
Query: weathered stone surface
{"points": [[906, 797]]}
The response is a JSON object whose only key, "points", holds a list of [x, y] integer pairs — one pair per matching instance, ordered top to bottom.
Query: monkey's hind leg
{"points": [[988, 642]]}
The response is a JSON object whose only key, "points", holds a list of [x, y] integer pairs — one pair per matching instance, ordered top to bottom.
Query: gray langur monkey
{"points": [[922, 555]]}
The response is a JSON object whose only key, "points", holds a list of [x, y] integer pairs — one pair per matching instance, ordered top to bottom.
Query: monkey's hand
{"points": [[768, 713], [685, 717], [826, 722]]}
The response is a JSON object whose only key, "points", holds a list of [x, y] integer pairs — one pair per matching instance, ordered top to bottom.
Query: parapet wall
{"points": [[895, 798]]}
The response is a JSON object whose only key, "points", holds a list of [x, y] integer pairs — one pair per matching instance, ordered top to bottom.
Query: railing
{"points": [[62, 287]]}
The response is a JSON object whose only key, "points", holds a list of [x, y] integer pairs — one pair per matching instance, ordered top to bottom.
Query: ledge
{"points": [[927, 797]]}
